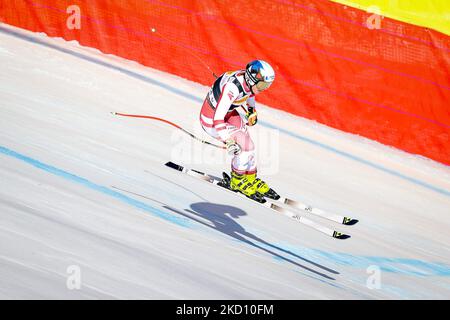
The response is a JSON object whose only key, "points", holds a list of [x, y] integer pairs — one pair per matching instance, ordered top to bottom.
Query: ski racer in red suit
{"points": [[228, 109]]}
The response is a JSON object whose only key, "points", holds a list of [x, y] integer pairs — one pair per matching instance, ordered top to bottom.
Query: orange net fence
{"points": [[386, 80]]}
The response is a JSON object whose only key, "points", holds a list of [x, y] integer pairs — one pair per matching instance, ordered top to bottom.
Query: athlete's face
{"points": [[260, 87], [255, 90]]}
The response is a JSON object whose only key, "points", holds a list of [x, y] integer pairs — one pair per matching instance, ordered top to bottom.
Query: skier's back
{"points": [[227, 110]]}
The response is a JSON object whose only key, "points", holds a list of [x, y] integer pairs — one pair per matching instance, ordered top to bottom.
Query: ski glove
{"points": [[252, 116], [232, 147]]}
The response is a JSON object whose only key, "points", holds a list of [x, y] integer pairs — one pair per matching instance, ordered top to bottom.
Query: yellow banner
{"points": [[433, 14]]}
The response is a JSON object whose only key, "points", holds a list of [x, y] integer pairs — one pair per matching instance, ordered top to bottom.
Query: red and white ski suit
{"points": [[223, 116]]}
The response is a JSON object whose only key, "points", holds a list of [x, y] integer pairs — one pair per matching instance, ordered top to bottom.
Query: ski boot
{"points": [[247, 184], [264, 190]]}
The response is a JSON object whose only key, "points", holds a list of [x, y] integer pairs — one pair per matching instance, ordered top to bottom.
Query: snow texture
{"points": [[82, 189]]}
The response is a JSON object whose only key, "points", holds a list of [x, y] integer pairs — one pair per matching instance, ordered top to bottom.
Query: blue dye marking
{"points": [[69, 176], [394, 265], [412, 267]]}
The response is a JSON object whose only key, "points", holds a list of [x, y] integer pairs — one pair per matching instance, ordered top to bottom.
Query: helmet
{"points": [[259, 73]]}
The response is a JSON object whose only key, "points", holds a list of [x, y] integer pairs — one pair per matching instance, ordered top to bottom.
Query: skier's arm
{"points": [[229, 94], [252, 116]]}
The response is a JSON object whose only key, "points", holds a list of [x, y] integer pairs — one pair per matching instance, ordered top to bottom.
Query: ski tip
{"points": [[113, 113], [175, 166], [349, 221], [340, 235]]}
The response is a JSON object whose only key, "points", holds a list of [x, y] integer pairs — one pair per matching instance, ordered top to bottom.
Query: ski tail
{"points": [[175, 166]]}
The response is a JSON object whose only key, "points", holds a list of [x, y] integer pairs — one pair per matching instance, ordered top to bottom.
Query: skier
{"points": [[228, 109]]}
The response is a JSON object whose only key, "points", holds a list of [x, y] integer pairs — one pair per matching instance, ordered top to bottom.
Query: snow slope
{"points": [[82, 187]]}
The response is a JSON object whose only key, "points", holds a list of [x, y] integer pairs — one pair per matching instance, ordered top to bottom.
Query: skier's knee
{"points": [[244, 141]]}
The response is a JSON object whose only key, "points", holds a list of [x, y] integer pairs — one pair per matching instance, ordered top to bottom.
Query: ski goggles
{"points": [[261, 85]]}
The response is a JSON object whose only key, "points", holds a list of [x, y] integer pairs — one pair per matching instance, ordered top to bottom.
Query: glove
{"points": [[252, 117], [232, 147]]}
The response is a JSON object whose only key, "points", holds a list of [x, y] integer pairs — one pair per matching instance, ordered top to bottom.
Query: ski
{"points": [[275, 198], [268, 204], [317, 212]]}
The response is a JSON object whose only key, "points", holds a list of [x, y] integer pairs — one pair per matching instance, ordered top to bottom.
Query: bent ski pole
{"points": [[170, 123]]}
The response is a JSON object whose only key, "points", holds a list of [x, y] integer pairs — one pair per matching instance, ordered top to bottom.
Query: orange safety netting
{"points": [[390, 84]]}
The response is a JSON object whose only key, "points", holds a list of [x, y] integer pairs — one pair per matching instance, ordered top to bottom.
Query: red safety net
{"points": [[390, 84]]}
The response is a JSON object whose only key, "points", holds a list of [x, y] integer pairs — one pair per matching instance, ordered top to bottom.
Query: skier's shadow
{"points": [[222, 218]]}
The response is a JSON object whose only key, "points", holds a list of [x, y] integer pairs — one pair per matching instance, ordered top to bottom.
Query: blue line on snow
{"points": [[199, 100], [74, 178], [394, 265], [402, 266], [411, 267]]}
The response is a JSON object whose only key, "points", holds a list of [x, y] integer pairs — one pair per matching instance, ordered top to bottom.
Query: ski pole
{"points": [[170, 123]]}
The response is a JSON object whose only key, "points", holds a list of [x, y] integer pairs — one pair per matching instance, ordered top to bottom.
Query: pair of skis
{"points": [[285, 206]]}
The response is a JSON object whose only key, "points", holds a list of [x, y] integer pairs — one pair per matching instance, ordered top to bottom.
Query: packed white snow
{"points": [[89, 211]]}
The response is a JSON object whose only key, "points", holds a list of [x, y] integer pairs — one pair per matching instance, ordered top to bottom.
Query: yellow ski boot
{"points": [[243, 183], [250, 186]]}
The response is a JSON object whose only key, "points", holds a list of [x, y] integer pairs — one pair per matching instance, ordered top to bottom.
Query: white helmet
{"points": [[259, 73]]}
